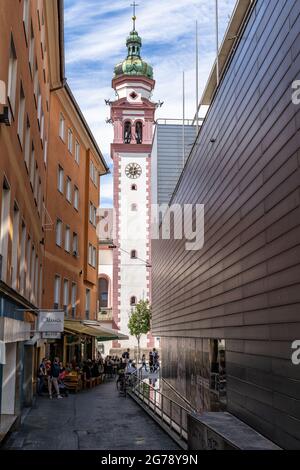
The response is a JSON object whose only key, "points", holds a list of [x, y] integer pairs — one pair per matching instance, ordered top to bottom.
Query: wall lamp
{"points": [[4, 117]]}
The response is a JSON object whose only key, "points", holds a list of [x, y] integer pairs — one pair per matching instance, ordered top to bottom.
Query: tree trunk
{"points": [[138, 340]]}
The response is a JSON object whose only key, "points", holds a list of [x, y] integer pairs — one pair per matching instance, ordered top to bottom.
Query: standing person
{"points": [[126, 356], [151, 360], [155, 360], [144, 365], [55, 371], [42, 375]]}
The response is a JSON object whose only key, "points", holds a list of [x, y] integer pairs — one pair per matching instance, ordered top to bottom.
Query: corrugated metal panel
{"points": [[170, 157], [244, 284]]}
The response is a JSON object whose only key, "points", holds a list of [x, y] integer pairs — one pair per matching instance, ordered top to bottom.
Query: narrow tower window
{"points": [[127, 132], [139, 132], [133, 301]]}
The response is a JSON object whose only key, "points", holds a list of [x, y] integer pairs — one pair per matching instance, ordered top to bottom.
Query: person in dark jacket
{"points": [[54, 375]]}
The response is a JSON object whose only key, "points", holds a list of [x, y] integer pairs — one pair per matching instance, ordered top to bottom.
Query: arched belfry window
{"points": [[127, 132], [139, 132]]}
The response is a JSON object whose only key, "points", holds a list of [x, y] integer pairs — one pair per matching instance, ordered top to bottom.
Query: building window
{"points": [[26, 18], [31, 54], [12, 76], [36, 82], [39, 105], [21, 115], [42, 125], [62, 127], [127, 132], [139, 132], [70, 140], [27, 144], [45, 151], [77, 152], [32, 166], [93, 173], [60, 179], [36, 183], [133, 187], [69, 190], [76, 198], [40, 199], [134, 207], [93, 214], [4, 228], [58, 233], [67, 239], [75, 244], [15, 246], [90, 254], [133, 254], [94, 257], [28, 258], [23, 259], [32, 275], [36, 280], [41, 286], [56, 292], [103, 292], [66, 296], [73, 299], [133, 301], [87, 303]]}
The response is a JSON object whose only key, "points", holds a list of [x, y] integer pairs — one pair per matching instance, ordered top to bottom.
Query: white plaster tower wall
{"points": [[133, 235]]}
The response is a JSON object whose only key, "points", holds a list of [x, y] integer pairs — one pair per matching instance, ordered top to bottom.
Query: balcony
{"points": [[105, 314]]}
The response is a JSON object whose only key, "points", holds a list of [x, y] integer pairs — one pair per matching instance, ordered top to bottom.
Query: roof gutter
{"points": [[60, 8]]}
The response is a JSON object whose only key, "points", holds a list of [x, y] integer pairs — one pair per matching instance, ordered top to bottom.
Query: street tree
{"points": [[139, 322]]}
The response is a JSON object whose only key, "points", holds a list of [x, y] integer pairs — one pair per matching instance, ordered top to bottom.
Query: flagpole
{"points": [[217, 41], [197, 80], [183, 119]]}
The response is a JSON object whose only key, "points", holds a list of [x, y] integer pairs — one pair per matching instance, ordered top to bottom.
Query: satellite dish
{"points": [[2, 92]]}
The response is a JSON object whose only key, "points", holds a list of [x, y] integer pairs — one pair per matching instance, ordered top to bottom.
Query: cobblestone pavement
{"points": [[96, 419]]}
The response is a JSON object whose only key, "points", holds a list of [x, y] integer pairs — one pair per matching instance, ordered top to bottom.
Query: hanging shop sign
{"points": [[51, 321], [51, 335]]}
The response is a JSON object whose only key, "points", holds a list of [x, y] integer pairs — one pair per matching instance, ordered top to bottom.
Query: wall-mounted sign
{"points": [[2, 92], [51, 321], [51, 335], [2, 353]]}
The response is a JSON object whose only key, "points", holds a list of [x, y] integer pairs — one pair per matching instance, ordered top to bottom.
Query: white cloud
{"points": [[95, 41]]}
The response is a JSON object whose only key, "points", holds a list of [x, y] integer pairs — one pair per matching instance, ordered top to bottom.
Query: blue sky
{"points": [[95, 36]]}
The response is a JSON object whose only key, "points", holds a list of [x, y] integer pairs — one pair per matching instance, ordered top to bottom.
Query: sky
{"points": [[95, 37]]}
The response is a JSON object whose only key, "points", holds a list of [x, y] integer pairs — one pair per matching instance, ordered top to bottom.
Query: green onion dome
{"points": [[134, 64]]}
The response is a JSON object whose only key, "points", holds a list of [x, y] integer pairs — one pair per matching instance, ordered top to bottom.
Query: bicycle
{"points": [[124, 381]]}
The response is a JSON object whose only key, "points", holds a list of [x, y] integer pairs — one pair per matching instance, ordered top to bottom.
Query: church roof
{"points": [[134, 64]]}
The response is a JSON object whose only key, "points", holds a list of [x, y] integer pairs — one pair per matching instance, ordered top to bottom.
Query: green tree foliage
{"points": [[139, 322]]}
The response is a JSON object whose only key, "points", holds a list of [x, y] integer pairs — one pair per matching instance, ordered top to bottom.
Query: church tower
{"points": [[132, 115]]}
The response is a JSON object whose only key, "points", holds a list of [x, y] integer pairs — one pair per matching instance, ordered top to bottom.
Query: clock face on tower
{"points": [[133, 170]]}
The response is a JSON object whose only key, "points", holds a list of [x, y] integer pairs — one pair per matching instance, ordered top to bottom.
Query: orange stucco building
{"points": [[74, 167], [49, 175]]}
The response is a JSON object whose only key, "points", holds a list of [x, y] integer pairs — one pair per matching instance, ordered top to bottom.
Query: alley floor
{"points": [[97, 419]]}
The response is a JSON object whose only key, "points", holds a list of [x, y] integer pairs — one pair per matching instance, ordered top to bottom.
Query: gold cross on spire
{"points": [[134, 5]]}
